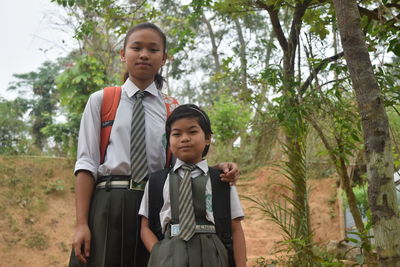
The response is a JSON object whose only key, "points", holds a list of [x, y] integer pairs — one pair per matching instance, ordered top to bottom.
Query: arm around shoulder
{"points": [[230, 172]]}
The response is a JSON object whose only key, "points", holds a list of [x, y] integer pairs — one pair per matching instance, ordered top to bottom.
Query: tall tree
{"points": [[42, 84], [13, 129], [381, 192]]}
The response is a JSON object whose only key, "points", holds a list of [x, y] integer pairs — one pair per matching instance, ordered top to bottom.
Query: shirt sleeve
{"points": [[88, 153], [144, 206], [236, 207]]}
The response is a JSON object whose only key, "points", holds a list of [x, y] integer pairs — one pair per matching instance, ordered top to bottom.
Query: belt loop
{"points": [[108, 184], [130, 184]]}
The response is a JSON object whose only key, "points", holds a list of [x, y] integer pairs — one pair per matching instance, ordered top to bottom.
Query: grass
{"points": [[26, 186], [37, 240]]}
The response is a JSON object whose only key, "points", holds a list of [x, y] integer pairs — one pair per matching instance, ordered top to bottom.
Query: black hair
{"points": [[158, 79], [190, 111]]}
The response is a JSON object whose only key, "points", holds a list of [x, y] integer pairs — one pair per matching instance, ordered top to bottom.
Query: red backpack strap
{"points": [[170, 104], [109, 105]]}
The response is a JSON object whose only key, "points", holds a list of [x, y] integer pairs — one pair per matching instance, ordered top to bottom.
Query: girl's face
{"points": [[144, 56], [187, 140]]}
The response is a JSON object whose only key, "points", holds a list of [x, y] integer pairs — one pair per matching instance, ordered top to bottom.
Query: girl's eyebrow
{"points": [[140, 43], [191, 127]]}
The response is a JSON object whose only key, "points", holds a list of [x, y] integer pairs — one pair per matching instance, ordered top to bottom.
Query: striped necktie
{"points": [[139, 167], [187, 222]]}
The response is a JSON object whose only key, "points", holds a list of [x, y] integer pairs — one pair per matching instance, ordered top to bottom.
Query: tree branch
{"points": [[376, 14], [276, 24], [295, 28], [214, 47], [314, 73]]}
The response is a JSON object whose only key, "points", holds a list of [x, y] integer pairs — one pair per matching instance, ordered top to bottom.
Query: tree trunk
{"points": [[214, 46], [242, 56], [294, 126], [341, 169], [381, 191]]}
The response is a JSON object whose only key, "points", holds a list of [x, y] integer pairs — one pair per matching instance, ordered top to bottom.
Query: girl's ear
{"points": [[122, 55], [164, 59], [208, 139]]}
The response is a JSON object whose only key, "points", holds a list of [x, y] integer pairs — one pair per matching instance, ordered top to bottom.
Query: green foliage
{"points": [[106, 17], [318, 20], [382, 32], [86, 75], [272, 76], [388, 77], [76, 83], [42, 109], [229, 118], [394, 121], [13, 129], [361, 194], [292, 213], [364, 247], [263, 262]]}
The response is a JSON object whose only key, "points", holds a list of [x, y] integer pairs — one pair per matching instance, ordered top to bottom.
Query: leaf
{"points": [[352, 239], [360, 259]]}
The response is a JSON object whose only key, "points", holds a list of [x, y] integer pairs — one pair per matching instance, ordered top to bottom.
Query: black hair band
{"points": [[202, 114]]}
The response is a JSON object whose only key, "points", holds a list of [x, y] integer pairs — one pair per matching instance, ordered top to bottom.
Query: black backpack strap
{"points": [[156, 201], [222, 211]]}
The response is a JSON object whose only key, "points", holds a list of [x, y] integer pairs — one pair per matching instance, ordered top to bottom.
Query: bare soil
{"points": [[40, 235], [262, 235]]}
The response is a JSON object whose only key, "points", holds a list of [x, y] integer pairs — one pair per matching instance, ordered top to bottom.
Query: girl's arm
{"points": [[230, 171], [83, 194], [148, 237], [239, 243]]}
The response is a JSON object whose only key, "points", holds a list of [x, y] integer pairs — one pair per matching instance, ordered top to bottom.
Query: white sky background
{"points": [[28, 38]]}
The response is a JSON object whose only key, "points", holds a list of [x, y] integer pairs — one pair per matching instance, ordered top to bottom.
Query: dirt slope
{"points": [[37, 219], [262, 235]]}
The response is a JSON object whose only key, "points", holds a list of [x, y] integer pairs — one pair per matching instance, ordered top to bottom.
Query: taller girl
{"points": [[107, 199]]}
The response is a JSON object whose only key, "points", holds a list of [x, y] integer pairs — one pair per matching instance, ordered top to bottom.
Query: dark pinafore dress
{"points": [[115, 229], [203, 249]]}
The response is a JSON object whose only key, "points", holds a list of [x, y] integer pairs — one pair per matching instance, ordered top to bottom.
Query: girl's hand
{"points": [[230, 172], [81, 242]]}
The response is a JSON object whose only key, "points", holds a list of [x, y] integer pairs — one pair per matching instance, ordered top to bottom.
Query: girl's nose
{"points": [[144, 54], [186, 139]]}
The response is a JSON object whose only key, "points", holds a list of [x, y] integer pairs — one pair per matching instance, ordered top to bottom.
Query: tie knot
{"points": [[140, 94], [188, 167]]}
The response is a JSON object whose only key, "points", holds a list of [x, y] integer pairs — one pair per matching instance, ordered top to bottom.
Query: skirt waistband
{"points": [[119, 182]]}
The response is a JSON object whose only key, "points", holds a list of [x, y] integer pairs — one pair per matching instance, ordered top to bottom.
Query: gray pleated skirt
{"points": [[115, 229], [202, 250]]}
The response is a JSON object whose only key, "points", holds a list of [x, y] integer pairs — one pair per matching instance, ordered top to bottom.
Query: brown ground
{"points": [[39, 235], [262, 235]]}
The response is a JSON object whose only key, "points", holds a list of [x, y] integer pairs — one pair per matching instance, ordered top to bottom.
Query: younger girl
{"points": [[107, 197], [196, 216]]}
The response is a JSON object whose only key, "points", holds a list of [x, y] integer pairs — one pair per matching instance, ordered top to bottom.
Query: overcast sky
{"points": [[28, 38]]}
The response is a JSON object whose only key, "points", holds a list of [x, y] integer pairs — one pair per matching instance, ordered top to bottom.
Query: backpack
{"points": [[111, 98]]}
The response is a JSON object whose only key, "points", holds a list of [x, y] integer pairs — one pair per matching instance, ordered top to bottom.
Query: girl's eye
{"points": [[135, 48], [154, 50], [193, 132], [175, 134]]}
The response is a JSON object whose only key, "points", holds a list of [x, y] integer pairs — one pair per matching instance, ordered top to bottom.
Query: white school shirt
{"points": [[117, 159], [165, 213]]}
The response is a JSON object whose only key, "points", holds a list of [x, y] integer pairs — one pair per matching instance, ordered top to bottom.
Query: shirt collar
{"points": [[131, 88], [202, 165]]}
